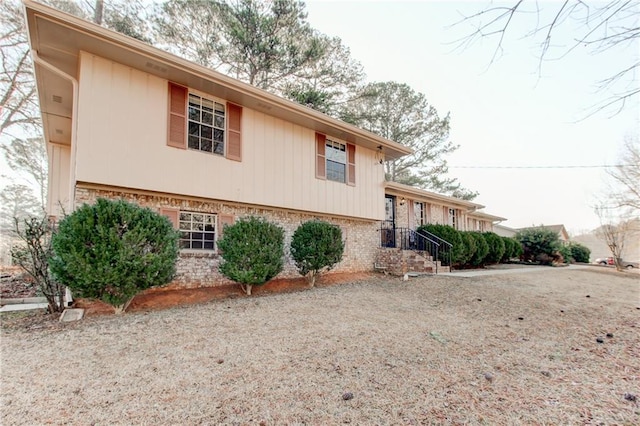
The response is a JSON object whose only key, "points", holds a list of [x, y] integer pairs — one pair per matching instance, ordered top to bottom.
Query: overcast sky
{"points": [[503, 114]]}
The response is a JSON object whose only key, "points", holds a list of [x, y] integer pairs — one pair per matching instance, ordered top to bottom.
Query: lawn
{"points": [[506, 349]]}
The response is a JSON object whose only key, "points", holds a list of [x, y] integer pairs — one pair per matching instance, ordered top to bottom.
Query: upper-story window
{"points": [[200, 122], [206, 124], [336, 154], [335, 160]]}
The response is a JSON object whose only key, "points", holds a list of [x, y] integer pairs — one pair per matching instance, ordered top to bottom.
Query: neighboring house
{"points": [[126, 120], [504, 231], [563, 235]]}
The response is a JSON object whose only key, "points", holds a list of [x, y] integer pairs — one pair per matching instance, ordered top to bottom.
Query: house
{"points": [[126, 120], [504, 231]]}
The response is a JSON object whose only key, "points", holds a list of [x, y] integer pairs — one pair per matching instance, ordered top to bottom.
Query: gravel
{"points": [[382, 352]]}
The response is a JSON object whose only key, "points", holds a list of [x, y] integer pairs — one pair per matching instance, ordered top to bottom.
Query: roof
{"points": [[56, 39], [400, 189], [486, 216], [554, 228]]}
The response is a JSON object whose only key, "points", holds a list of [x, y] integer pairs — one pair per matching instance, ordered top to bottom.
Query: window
{"points": [[201, 123], [206, 125], [336, 154], [335, 161], [418, 212], [452, 218], [197, 231]]}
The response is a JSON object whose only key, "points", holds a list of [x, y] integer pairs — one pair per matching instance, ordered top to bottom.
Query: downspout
{"points": [[74, 123]]}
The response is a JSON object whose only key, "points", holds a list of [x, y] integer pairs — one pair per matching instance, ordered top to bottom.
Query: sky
{"points": [[509, 113]]}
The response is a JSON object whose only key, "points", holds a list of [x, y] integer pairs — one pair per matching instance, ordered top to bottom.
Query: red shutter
{"points": [[177, 116], [234, 140], [351, 164], [321, 165], [172, 214], [224, 220]]}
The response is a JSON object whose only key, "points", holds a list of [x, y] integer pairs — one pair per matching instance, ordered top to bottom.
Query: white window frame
{"points": [[214, 100], [339, 146], [193, 229]]}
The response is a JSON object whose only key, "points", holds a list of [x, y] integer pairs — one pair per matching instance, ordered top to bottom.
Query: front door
{"points": [[388, 229]]}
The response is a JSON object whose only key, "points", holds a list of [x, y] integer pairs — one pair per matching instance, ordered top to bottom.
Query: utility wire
{"points": [[599, 166]]}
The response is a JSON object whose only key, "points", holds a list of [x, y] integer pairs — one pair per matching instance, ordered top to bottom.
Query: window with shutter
{"points": [[201, 122]]}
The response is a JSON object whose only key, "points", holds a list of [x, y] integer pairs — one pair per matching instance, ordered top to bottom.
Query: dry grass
{"points": [[434, 350]]}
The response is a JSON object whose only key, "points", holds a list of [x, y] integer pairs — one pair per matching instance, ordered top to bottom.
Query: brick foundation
{"points": [[200, 268]]}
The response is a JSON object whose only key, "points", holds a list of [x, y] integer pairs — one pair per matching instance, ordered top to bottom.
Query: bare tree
{"points": [[600, 26], [18, 103], [28, 157], [626, 177], [614, 234]]}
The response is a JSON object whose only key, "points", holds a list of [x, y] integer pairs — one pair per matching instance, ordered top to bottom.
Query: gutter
{"points": [[74, 122]]}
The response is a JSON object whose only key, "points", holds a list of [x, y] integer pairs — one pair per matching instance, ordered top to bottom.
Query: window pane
{"points": [[194, 99], [207, 105], [219, 109], [194, 113], [207, 117], [219, 122], [194, 129], [207, 132], [218, 135], [194, 142], [206, 145], [218, 148], [335, 171], [185, 216], [197, 217], [208, 236], [196, 244], [208, 245]]}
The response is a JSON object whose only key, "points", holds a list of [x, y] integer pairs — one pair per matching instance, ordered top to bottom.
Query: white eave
{"points": [[58, 38], [398, 189]]}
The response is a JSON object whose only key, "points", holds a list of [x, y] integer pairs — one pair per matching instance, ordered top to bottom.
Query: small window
{"points": [[206, 125], [336, 154], [418, 211], [197, 231]]}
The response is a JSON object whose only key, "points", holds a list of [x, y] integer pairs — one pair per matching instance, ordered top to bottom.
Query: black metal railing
{"points": [[423, 241], [445, 247]]}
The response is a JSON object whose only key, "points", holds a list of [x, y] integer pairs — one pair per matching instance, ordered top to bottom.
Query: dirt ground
{"points": [[557, 346]]}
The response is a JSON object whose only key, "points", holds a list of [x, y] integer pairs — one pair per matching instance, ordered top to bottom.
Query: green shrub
{"points": [[452, 236], [538, 244], [315, 246], [470, 246], [496, 247], [113, 249], [482, 249], [512, 249], [252, 252], [565, 252], [580, 253]]}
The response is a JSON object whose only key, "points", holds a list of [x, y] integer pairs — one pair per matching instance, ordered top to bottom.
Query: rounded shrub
{"points": [[538, 244], [316, 245], [470, 247], [496, 247], [482, 249], [112, 250], [252, 251], [457, 252], [565, 252], [580, 253]]}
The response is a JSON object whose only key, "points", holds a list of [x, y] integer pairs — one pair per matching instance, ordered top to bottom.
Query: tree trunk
{"points": [[97, 15], [312, 279], [246, 288]]}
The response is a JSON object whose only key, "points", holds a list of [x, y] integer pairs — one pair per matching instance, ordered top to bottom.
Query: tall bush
{"points": [[452, 236], [538, 244], [315, 246], [470, 247], [496, 247], [482, 249], [510, 249], [112, 250], [252, 252], [580, 253], [33, 255]]}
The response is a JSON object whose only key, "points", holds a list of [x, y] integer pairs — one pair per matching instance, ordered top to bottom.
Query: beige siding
{"points": [[122, 135], [59, 173]]}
